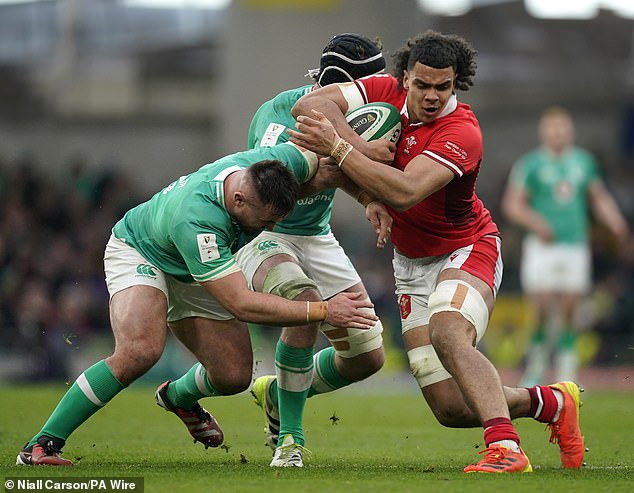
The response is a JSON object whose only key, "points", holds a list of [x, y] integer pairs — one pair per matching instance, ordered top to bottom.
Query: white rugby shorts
{"points": [[321, 258], [125, 267], [555, 267], [416, 277]]}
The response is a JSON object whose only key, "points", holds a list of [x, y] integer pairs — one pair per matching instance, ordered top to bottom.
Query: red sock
{"points": [[543, 403], [498, 429]]}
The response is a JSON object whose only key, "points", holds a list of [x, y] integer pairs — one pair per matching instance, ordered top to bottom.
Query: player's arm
{"points": [[334, 101], [328, 175], [398, 189], [517, 209], [375, 210], [607, 211], [250, 306]]}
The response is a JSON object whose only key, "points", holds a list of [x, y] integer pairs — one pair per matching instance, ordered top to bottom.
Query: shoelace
{"points": [[201, 414], [554, 432], [51, 449], [287, 451], [493, 454]]}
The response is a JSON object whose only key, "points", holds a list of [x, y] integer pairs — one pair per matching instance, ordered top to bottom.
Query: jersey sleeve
{"points": [[376, 88], [302, 162], [592, 168], [519, 175]]}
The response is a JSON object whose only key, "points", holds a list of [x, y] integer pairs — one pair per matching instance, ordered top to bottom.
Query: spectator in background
{"points": [[550, 193], [52, 231]]}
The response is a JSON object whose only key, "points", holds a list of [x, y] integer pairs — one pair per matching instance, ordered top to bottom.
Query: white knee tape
{"points": [[287, 279], [458, 296], [349, 342], [426, 366]]}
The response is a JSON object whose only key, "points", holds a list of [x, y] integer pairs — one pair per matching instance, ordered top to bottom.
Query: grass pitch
{"points": [[363, 440]]}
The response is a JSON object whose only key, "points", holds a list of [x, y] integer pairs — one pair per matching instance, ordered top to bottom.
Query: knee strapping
{"points": [[288, 280], [458, 296], [349, 342], [426, 366]]}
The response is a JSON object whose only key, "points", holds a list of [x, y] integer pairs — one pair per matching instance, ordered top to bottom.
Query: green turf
{"points": [[379, 443]]}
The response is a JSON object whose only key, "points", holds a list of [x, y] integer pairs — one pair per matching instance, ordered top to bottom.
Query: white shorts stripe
{"points": [[84, 386]]}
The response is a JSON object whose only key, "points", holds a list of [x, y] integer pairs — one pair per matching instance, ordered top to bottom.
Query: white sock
{"points": [[510, 444]]}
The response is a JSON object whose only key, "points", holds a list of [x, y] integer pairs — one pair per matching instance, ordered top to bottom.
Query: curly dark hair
{"points": [[437, 50], [275, 184]]}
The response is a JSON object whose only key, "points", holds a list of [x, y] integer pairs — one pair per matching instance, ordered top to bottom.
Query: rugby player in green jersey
{"points": [[551, 191], [301, 259], [169, 262]]}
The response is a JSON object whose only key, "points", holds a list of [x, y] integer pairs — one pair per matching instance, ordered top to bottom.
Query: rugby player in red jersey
{"points": [[447, 249]]}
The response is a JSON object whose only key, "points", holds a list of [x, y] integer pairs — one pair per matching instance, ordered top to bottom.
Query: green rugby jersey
{"points": [[557, 188], [311, 215], [185, 229]]}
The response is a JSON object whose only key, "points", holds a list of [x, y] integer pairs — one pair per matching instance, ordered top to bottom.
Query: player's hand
{"points": [[316, 134], [380, 150], [329, 175], [381, 221], [544, 232], [343, 311]]}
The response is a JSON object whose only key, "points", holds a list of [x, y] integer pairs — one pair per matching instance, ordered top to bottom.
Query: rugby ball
{"points": [[375, 121]]}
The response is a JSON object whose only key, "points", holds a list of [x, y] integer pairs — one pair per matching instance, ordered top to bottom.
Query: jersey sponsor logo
{"points": [[409, 143], [456, 150], [180, 183], [315, 198], [267, 244], [207, 247], [453, 257], [146, 270], [405, 305]]}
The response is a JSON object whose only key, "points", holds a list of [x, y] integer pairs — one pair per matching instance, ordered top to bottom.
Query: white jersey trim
{"points": [[352, 94], [443, 161], [218, 273]]}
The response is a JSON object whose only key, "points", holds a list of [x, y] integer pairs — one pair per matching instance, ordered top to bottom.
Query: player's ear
{"points": [[239, 199]]}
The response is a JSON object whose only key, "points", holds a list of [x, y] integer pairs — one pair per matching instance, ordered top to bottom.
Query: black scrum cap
{"points": [[347, 57]]}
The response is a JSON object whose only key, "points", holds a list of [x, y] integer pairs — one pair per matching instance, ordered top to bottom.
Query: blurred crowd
{"points": [[53, 229], [53, 298]]}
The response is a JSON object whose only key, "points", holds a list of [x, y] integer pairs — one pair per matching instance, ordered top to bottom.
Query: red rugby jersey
{"points": [[454, 216]]}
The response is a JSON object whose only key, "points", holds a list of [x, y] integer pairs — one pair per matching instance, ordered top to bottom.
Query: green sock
{"points": [[539, 337], [568, 339], [294, 370], [326, 378], [192, 386], [92, 390]]}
